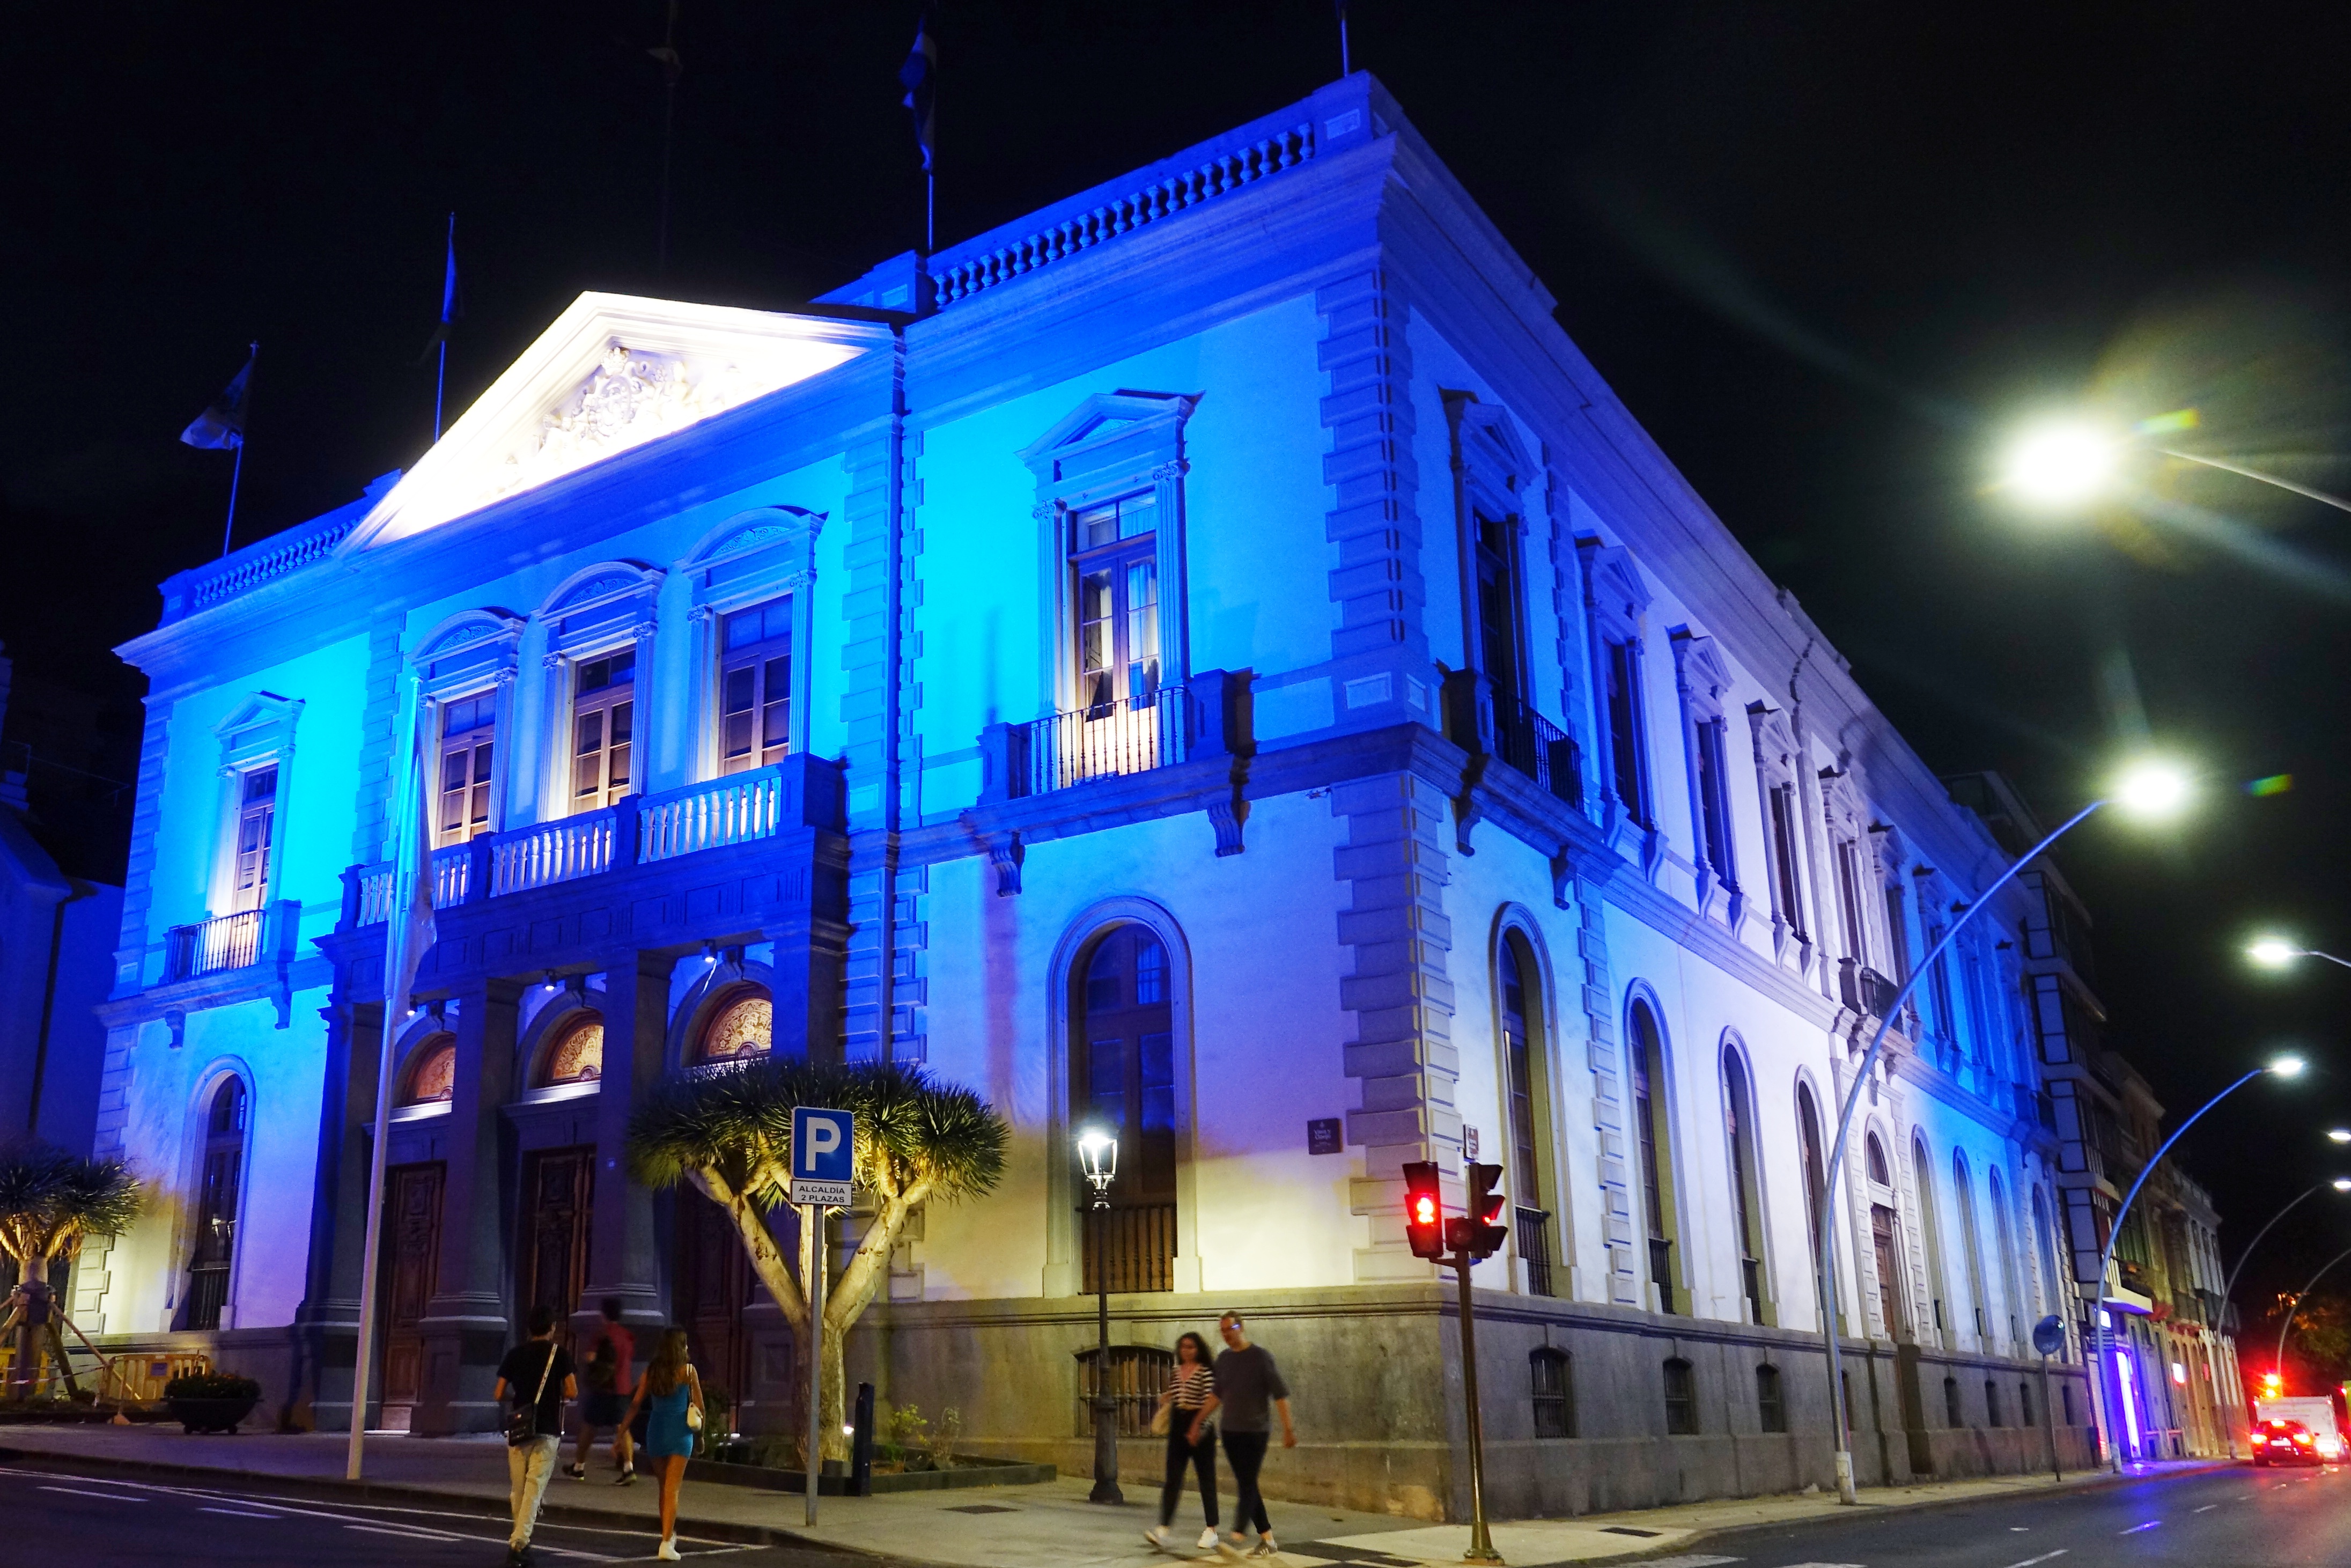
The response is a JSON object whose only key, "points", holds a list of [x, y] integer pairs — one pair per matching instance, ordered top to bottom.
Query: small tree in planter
{"points": [[728, 1135], [50, 1201], [210, 1401]]}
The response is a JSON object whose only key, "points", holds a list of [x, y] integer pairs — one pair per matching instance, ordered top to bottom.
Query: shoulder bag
{"points": [[522, 1423]]}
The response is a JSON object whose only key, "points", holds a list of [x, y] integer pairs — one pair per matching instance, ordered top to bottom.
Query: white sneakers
{"points": [[1157, 1536], [1208, 1539], [1265, 1546], [668, 1549]]}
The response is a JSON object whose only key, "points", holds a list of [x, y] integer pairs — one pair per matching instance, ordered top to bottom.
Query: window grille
{"points": [[1136, 1375], [1554, 1393], [1681, 1399], [1771, 1405]]}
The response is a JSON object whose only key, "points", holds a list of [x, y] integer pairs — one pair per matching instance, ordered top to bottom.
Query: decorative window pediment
{"points": [[1109, 442], [1495, 466], [752, 555], [1618, 596], [609, 603], [466, 650], [1705, 678], [259, 729], [1775, 744]]}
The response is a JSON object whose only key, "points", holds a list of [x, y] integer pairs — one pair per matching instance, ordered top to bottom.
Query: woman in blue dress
{"points": [[669, 1389]]}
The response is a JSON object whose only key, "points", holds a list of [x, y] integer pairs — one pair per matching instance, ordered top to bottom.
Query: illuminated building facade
{"points": [[1211, 657]]}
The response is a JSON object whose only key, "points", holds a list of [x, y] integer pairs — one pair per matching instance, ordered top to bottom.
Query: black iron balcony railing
{"points": [[1483, 719], [1177, 723], [212, 946], [1864, 989], [1532, 1231], [1134, 1243], [1661, 1272], [1750, 1283]]}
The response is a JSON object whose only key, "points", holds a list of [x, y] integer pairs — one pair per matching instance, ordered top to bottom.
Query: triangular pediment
{"points": [[612, 374]]}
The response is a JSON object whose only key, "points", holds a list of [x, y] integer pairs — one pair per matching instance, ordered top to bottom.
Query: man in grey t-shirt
{"points": [[1246, 1380]]}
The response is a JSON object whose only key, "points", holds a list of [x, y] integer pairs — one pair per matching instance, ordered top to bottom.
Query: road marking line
{"points": [[109, 1496], [2208, 1508], [241, 1513], [2135, 1529], [413, 1534], [2044, 1557]]}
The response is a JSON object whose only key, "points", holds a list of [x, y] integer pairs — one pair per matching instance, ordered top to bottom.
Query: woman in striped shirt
{"points": [[1192, 1387]]}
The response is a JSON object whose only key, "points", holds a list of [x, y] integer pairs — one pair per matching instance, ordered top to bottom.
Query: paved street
{"points": [[2240, 1518], [102, 1519]]}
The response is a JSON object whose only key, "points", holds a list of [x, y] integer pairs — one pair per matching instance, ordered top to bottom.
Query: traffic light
{"points": [[1423, 1210], [1485, 1231], [2273, 1386]]}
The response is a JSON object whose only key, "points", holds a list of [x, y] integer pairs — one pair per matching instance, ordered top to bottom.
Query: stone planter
{"points": [[213, 1415]]}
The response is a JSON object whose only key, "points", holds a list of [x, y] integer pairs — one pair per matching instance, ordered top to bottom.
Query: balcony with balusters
{"points": [[747, 855]]}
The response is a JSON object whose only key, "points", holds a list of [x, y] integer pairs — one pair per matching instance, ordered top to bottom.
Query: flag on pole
{"points": [[920, 76], [453, 296], [221, 426], [408, 935]]}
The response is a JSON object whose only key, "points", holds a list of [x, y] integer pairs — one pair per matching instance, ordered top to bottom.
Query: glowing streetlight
{"points": [[2060, 464], [2151, 788], [2277, 953], [2289, 1067], [2340, 1135], [1098, 1157]]}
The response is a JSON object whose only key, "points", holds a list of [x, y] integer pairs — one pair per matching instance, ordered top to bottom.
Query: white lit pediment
{"points": [[612, 374]]}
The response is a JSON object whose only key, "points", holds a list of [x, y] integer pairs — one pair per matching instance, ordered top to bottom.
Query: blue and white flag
{"points": [[920, 76], [453, 296], [221, 426]]}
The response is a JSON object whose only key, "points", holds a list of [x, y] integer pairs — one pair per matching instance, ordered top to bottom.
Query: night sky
{"points": [[1828, 254]]}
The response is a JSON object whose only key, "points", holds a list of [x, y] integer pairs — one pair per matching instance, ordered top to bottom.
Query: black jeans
{"points": [[1244, 1451], [1201, 1456]]}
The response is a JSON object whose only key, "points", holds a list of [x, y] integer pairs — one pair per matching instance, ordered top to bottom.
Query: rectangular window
{"points": [[1114, 557], [1498, 601], [755, 686], [603, 728], [468, 733], [1630, 778], [1713, 798], [256, 824], [1848, 865], [1784, 883], [1897, 935], [1554, 1394], [1681, 1399], [1771, 1407]]}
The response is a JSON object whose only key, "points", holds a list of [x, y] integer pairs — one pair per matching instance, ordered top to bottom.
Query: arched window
{"points": [[743, 1026], [578, 1053], [1523, 1060], [433, 1074], [1122, 1079], [1653, 1132], [1808, 1138], [219, 1183], [1746, 1208], [1885, 1234], [1931, 1234], [1972, 1245], [2052, 1288], [2012, 1295], [1553, 1376], [1681, 1399], [1992, 1403], [1771, 1405], [1952, 1415]]}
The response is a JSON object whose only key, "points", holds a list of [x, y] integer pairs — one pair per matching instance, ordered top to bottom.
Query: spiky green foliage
{"points": [[729, 1135], [50, 1200]]}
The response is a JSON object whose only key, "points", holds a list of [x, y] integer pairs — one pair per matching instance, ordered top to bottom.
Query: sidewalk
{"points": [[990, 1527]]}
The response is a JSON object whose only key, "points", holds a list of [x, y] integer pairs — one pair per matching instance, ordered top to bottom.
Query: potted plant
{"points": [[210, 1401]]}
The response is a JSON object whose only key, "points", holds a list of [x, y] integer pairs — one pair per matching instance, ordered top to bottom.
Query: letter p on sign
{"points": [[823, 1144]]}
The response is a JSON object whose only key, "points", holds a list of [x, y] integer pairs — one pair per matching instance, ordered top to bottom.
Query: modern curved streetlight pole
{"points": [[2151, 789], [2273, 954], [2284, 1067], [2229, 1291], [2278, 1360]]}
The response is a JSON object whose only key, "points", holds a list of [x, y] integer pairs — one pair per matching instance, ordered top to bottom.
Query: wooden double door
{"points": [[551, 1245], [412, 1268], [711, 1285]]}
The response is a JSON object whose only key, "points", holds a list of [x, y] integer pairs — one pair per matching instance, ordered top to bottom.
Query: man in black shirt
{"points": [[541, 1368], [1247, 1381]]}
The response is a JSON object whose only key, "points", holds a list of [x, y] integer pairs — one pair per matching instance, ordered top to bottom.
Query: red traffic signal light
{"points": [[1423, 1210], [1485, 1230]]}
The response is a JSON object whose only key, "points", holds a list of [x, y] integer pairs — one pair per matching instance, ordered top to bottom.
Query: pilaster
{"points": [[379, 719], [138, 881], [1403, 1053], [1605, 1057], [620, 1250], [327, 1322], [465, 1325]]}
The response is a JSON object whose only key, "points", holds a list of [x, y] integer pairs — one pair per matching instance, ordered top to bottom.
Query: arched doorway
{"points": [[1122, 1079], [1526, 1080], [1652, 1136], [1885, 1235], [552, 1251]]}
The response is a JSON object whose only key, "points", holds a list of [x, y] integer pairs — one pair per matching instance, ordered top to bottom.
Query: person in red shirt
{"points": [[610, 1379]]}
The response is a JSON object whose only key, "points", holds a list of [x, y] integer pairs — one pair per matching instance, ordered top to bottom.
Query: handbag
{"points": [[694, 1418], [1159, 1420], [522, 1422]]}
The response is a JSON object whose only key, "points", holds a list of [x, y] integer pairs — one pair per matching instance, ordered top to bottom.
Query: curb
{"points": [[1923, 1505], [727, 1531]]}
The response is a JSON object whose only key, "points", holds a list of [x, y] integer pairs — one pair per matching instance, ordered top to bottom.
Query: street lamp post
{"points": [[2065, 462], [2150, 790], [2273, 954], [2284, 1067], [1098, 1153], [2340, 1184], [2278, 1361]]}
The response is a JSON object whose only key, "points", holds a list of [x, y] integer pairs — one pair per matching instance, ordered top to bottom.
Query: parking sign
{"points": [[822, 1142]]}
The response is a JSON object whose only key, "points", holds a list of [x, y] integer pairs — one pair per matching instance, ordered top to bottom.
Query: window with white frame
{"points": [[1115, 583], [1616, 599], [1702, 679], [755, 686], [603, 728], [469, 744], [1628, 774], [256, 827], [1783, 832]]}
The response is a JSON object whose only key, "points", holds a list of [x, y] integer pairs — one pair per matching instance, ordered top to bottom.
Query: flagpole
{"points": [[1346, 68], [441, 375], [236, 472], [398, 969]]}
